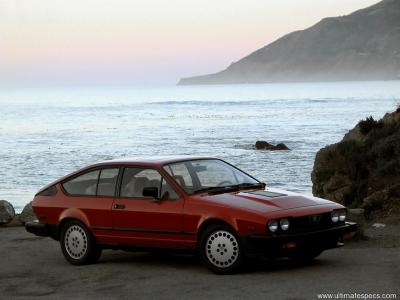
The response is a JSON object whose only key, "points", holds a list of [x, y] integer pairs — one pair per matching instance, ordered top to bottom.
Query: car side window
{"points": [[181, 174], [134, 180], [107, 182], [84, 184], [168, 192]]}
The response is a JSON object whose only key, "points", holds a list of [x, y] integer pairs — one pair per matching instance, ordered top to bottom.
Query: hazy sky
{"points": [[132, 42]]}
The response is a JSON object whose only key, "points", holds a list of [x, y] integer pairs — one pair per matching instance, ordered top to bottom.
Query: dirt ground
{"points": [[33, 267]]}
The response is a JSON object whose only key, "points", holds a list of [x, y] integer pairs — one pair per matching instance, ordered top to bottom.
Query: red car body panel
{"points": [[169, 224]]}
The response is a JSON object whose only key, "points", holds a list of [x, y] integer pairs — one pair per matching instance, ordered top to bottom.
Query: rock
{"points": [[263, 145], [281, 146], [363, 169], [375, 200], [356, 211], [7, 212], [27, 214], [357, 215], [378, 225]]}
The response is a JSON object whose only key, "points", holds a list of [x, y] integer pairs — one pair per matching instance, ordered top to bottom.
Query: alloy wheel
{"points": [[76, 242], [222, 249]]}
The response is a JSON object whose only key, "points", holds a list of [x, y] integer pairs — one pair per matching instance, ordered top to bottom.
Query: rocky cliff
{"points": [[364, 45], [363, 170]]}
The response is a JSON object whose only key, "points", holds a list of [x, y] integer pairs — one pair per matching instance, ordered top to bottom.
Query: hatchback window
{"points": [[135, 180], [107, 181], [84, 184]]}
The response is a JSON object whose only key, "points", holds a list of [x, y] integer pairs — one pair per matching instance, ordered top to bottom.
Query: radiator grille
{"points": [[311, 223]]}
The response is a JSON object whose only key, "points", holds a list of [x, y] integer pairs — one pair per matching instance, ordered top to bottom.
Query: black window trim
{"points": [[83, 172], [116, 183]]}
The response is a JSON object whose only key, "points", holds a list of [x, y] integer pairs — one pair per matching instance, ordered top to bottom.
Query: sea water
{"points": [[47, 133]]}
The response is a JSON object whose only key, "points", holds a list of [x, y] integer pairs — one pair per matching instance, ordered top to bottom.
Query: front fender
{"points": [[208, 220]]}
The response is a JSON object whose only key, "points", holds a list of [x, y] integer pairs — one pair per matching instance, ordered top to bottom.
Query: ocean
{"points": [[47, 133]]}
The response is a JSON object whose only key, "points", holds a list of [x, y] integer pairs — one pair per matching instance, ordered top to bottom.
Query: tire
{"points": [[78, 244], [221, 250], [305, 256]]}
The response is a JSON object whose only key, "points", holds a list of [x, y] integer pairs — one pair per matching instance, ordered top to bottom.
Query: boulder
{"points": [[263, 145], [281, 146], [363, 169], [7, 212], [27, 214], [358, 215], [378, 225]]}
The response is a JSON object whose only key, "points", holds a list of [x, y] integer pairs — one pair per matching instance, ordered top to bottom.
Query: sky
{"points": [[50, 43]]}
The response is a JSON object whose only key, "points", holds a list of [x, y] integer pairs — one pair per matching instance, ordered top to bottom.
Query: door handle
{"points": [[119, 206]]}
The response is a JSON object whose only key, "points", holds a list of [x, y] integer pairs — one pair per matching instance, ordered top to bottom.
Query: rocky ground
{"points": [[33, 267]]}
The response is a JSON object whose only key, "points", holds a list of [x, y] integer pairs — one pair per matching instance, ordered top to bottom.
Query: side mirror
{"points": [[151, 192]]}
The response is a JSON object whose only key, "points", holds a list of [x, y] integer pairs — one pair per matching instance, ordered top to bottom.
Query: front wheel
{"points": [[78, 244], [221, 250]]}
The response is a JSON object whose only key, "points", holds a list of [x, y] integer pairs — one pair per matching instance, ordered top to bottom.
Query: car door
{"points": [[145, 221]]}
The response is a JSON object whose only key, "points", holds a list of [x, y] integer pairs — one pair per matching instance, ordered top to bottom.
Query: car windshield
{"points": [[212, 175]]}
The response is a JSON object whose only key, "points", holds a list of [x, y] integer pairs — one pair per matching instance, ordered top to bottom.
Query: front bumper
{"points": [[40, 229], [279, 245]]}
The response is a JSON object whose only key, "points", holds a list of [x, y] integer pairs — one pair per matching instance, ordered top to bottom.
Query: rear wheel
{"points": [[78, 244], [221, 250]]}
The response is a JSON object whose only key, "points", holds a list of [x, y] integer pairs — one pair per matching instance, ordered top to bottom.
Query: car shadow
{"points": [[149, 258], [191, 261], [284, 264]]}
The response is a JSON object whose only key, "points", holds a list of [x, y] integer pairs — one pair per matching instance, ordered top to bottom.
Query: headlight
{"points": [[335, 216], [342, 216], [284, 224], [273, 225]]}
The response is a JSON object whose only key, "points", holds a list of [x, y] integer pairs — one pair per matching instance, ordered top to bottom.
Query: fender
{"points": [[74, 213], [213, 218]]}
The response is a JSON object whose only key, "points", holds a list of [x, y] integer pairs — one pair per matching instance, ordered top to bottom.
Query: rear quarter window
{"points": [[84, 184], [50, 191]]}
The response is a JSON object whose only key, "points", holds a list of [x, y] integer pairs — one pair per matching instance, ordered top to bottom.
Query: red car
{"points": [[188, 203]]}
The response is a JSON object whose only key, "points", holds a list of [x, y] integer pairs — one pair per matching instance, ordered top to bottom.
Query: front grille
{"points": [[311, 223]]}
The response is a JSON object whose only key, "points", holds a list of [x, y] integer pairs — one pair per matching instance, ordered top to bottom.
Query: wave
{"points": [[208, 102]]}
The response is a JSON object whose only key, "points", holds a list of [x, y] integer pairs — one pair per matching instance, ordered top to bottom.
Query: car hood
{"points": [[264, 201]]}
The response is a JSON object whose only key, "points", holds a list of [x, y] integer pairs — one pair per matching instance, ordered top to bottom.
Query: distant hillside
{"points": [[364, 45]]}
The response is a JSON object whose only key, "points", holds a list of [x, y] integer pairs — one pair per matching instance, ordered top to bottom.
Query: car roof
{"points": [[151, 160]]}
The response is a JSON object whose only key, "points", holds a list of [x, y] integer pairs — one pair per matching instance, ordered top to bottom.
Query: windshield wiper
{"points": [[245, 185], [236, 187], [215, 189]]}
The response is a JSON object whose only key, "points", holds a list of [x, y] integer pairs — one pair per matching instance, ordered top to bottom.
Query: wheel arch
{"points": [[73, 214], [209, 222]]}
